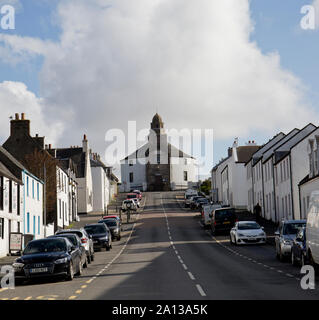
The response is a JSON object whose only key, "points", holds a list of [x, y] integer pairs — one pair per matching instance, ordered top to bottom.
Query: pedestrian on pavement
{"points": [[257, 212]]}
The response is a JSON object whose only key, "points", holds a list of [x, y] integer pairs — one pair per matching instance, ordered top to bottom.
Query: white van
{"points": [[206, 214], [312, 228]]}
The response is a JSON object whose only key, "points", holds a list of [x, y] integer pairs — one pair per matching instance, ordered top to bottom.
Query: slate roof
{"points": [[284, 149], [143, 152], [244, 153], [76, 155], [11, 164], [4, 171]]}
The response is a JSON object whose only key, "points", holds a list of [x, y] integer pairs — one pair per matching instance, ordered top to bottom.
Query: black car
{"points": [[195, 201], [201, 202], [223, 219], [114, 227], [101, 235], [76, 242], [299, 249], [47, 258]]}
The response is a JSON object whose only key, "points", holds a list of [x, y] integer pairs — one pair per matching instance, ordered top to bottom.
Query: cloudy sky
{"points": [[243, 68]]}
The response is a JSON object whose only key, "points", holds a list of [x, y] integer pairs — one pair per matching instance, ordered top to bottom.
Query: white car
{"points": [[129, 204], [247, 232]]}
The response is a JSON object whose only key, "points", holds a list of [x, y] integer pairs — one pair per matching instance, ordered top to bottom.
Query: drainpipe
{"points": [[292, 197]]}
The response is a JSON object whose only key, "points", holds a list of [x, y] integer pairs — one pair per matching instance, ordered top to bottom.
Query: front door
{"points": [[159, 185]]}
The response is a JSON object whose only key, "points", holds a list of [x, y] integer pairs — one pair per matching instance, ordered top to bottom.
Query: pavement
{"points": [[167, 255]]}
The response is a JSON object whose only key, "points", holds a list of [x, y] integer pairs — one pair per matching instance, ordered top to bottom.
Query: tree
{"points": [[206, 186]]}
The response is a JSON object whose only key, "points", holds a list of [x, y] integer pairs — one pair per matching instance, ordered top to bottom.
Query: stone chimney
{"points": [[19, 127]]}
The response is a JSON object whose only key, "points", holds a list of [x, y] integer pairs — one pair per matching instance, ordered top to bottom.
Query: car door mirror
{"points": [[262, 228], [277, 233], [72, 248]]}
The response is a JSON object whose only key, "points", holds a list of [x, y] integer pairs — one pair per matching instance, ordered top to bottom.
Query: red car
{"points": [[138, 193]]}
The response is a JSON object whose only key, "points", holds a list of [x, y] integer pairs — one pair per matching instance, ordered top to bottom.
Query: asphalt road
{"points": [[166, 254]]}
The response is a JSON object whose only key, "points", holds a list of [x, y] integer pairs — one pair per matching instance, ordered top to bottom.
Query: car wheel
{"points": [[119, 238], [231, 240], [236, 241], [281, 256], [92, 257], [89, 258], [293, 259], [302, 261], [85, 265], [80, 268], [70, 275], [18, 282]]}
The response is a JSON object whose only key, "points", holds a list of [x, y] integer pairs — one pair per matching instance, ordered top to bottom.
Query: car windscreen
{"points": [[224, 214], [110, 223], [248, 226], [293, 228], [95, 229], [71, 237], [45, 245]]}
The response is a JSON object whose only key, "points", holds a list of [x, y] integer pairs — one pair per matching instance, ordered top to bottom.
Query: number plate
{"points": [[226, 222], [39, 270]]}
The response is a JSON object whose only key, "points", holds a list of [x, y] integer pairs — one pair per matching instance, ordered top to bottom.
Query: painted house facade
{"points": [[80, 157], [290, 166], [230, 176], [11, 213]]}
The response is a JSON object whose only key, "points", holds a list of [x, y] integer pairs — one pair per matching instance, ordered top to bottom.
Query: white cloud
{"points": [[193, 60], [15, 98]]}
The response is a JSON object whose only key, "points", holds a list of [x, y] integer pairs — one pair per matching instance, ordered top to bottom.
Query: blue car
{"points": [[298, 249]]}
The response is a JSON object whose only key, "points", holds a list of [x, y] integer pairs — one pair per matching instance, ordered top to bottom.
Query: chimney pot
{"points": [[17, 116], [22, 116], [84, 137], [50, 146]]}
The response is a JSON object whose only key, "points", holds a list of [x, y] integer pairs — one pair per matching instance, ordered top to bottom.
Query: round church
{"points": [[158, 165]]}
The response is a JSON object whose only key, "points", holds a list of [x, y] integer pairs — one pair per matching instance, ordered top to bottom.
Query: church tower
{"points": [[158, 167]]}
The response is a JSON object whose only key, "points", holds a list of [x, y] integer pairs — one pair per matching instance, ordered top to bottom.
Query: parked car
{"points": [[190, 192], [138, 193], [132, 196], [189, 198], [194, 201], [200, 203], [129, 205], [206, 213], [114, 217], [223, 219], [114, 227], [312, 230], [247, 232], [285, 235], [101, 236], [86, 241], [76, 242], [299, 249], [47, 258]]}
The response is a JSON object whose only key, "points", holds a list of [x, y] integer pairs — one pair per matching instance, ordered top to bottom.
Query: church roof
{"points": [[143, 152]]}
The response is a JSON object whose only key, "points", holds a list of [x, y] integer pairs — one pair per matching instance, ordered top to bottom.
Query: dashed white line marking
{"points": [[184, 266], [191, 275], [201, 291]]}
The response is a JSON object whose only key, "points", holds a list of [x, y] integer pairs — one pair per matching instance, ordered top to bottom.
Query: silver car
{"points": [[285, 236]]}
